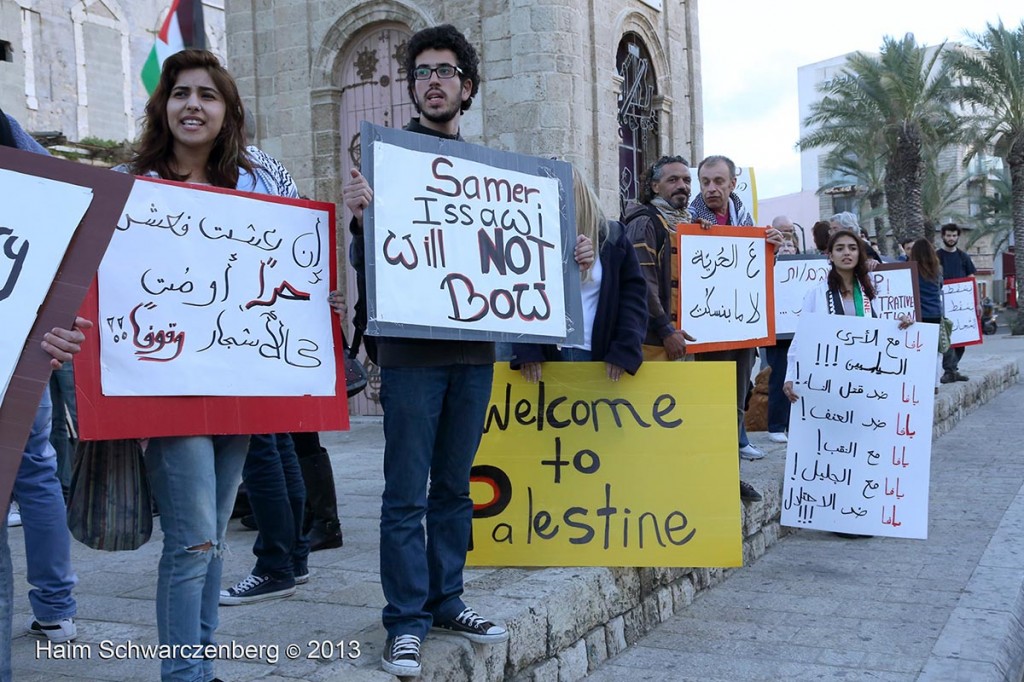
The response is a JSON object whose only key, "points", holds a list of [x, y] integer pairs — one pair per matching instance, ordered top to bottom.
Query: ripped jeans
{"points": [[194, 481]]}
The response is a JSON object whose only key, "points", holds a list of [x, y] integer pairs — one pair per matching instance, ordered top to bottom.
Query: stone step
{"points": [[564, 622]]}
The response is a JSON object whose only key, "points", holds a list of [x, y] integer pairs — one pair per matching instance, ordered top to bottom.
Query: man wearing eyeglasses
{"points": [[434, 394]]}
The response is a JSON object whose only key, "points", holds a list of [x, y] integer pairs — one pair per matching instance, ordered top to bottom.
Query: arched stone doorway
{"points": [[373, 88]]}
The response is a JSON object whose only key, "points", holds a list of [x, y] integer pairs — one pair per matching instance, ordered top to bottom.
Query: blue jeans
{"points": [[576, 355], [744, 359], [62, 392], [778, 404], [433, 421], [194, 480], [277, 496], [45, 521], [6, 600]]}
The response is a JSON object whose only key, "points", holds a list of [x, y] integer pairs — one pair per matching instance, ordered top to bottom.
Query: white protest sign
{"points": [[37, 222], [469, 243], [794, 275], [725, 287], [896, 291], [209, 293], [960, 306], [860, 435]]}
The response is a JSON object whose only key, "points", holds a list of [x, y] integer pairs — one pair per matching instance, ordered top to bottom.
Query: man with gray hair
{"points": [[718, 204], [848, 221]]}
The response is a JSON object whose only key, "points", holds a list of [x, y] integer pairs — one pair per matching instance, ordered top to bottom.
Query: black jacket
{"points": [[621, 319]]}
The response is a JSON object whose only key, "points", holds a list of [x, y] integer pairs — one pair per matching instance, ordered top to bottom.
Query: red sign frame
{"points": [[769, 311], [110, 417]]}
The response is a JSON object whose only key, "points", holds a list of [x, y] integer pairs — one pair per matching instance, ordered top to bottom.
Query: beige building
{"points": [[608, 86]]}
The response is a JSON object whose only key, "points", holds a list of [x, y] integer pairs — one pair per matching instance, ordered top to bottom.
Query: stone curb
{"points": [[564, 622]]}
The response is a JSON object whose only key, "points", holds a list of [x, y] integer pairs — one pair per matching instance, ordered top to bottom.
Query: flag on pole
{"points": [[182, 28]]}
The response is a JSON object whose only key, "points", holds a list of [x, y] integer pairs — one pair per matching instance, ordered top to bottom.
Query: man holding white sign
{"points": [[718, 204], [956, 264], [434, 392]]}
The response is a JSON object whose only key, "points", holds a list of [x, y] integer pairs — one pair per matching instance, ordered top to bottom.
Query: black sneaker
{"points": [[960, 377], [947, 378], [748, 494], [255, 588], [470, 625], [401, 656]]}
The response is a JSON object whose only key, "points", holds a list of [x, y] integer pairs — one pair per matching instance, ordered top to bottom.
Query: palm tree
{"points": [[993, 81], [900, 100], [867, 169], [942, 188], [995, 218]]}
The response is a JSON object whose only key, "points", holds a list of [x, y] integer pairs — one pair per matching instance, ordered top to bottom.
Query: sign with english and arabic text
{"points": [[895, 289]]}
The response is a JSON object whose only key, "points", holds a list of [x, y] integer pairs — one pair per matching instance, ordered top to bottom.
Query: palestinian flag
{"points": [[182, 28]]}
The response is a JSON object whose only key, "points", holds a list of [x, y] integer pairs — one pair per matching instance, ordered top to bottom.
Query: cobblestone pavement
{"points": [[814, 606]]}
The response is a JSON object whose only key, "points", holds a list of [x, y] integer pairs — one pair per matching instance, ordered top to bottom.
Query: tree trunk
{"points": [[1015, 160], [909, 168], [875, 202], [895, 205]]}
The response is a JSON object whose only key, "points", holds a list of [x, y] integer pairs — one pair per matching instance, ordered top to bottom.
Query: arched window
{"points": [[638, 119]]}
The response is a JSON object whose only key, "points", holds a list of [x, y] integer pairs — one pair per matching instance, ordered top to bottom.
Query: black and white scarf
{"points": [[741, 216]]}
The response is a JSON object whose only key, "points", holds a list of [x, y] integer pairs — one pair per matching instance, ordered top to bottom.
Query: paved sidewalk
{"points": [[813, 606], [819, 607]]}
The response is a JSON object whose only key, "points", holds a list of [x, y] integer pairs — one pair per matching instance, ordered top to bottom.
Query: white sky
{"points": [[751, 49]]}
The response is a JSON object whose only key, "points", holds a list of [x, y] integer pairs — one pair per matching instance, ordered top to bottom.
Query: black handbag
{"points": [[355, 373], [109, 506]]}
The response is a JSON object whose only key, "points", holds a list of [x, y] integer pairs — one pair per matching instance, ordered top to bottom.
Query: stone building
{"points": [[74, 67], [608, 85]]}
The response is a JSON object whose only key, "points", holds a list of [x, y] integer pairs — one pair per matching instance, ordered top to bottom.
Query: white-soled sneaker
{"points": [[778, 437], [748, 451], [14, 516], [257, 588], [472, 626], [63, 630], [402, 656]]}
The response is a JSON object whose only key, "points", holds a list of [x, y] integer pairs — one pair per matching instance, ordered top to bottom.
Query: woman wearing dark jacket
{"points": [[929, 284], [614, 300]]}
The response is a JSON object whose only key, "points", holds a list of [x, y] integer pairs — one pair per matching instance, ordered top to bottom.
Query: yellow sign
{"points": [[578, 470]]}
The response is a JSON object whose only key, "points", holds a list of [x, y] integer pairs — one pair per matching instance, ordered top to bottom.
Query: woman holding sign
{"points": [[194, 131], [929, 284], [847, 291], [614, 300]]}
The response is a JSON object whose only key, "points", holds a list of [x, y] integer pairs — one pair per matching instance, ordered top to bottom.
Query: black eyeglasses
{"points": [[422, 73]]}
